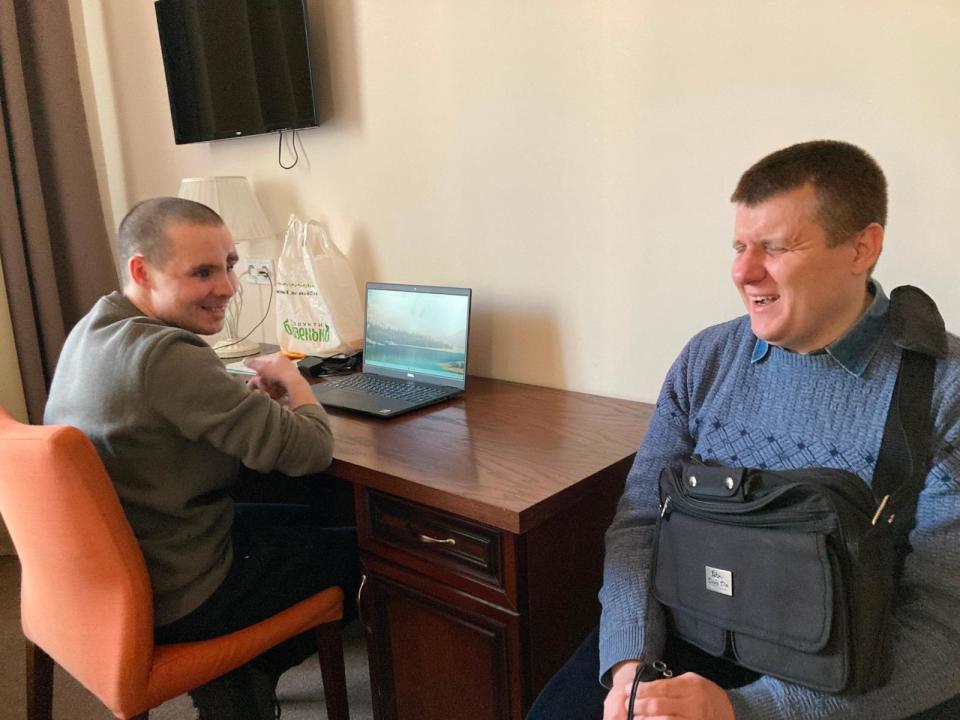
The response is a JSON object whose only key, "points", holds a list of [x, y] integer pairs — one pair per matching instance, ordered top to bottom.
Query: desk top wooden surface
{"points": [[505, 454]]}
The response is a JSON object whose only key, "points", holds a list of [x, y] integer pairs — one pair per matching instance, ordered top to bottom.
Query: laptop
{"points": [[414, 351]]}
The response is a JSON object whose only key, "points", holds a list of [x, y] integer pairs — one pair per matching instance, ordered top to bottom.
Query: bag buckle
{"points": [[713, 482]]}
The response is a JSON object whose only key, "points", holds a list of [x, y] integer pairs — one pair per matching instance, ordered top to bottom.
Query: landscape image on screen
{"points": [[417, 332]]}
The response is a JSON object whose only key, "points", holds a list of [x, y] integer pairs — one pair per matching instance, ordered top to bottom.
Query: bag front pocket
{"points": [[770, 584]]}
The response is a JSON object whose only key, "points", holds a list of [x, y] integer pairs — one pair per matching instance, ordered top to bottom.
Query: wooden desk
{"points": [[481, 528]]}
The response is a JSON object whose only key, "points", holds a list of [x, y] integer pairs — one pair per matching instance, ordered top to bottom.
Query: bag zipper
{"points": [[854, 490], [722, 512]]}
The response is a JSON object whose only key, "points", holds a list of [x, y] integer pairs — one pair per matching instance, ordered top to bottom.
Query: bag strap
{"points": [[917, 328]]}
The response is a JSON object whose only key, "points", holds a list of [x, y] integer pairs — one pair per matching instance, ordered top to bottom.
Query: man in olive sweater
{"points": [[173, 429]]}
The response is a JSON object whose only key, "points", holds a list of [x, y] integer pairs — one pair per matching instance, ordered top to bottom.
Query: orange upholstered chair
{"points": [[85, 594]]}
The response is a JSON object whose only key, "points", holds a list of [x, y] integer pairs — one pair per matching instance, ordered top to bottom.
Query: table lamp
{"points": [[232, 198]]}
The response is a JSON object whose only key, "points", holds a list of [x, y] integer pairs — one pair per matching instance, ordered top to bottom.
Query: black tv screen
{"points": [[236, 67]]}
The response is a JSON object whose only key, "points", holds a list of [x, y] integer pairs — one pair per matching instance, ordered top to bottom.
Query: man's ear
{"points": [[868, 244], [138, 271]]}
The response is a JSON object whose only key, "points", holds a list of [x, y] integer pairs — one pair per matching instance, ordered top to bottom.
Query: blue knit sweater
{"points": [[730, 400]]}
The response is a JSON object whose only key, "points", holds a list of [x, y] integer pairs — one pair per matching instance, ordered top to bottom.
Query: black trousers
{"points": [[280, 558], [574, 693]]}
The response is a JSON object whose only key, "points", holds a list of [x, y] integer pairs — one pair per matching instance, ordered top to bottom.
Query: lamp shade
{"points": [[232, 198]]}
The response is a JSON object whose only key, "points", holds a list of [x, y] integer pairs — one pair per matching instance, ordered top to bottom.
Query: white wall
{"points": [[571, 161]]}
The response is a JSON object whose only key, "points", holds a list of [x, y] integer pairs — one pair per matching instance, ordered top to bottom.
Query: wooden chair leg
{"points": [[330, 652], [39, 683]]}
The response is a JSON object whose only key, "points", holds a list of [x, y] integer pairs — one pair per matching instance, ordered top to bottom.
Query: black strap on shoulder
{"points": [[917, 327]]}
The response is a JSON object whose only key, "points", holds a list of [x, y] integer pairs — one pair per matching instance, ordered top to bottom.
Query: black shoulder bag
{"points": [[792, 573]]}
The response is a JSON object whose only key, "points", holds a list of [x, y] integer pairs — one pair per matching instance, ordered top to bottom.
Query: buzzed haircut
{"points": [[850, 187], [144, 229]]}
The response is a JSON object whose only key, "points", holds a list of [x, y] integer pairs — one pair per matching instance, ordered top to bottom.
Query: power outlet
{"points": [[257, 271]]}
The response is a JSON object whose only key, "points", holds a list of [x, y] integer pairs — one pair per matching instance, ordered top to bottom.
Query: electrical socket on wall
{"points": [[257, 271]]}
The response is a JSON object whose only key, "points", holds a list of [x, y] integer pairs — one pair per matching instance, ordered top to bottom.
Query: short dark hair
{"points": [[850, 187], [143, 231]]}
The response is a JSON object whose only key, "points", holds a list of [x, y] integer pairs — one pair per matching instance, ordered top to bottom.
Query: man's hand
{"points": [[281, 380], [687, 697], [615, 704]]}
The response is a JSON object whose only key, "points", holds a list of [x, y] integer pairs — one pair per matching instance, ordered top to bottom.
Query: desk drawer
{"points": [[442, 539]]}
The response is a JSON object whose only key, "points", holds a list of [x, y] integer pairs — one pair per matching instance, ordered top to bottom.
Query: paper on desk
{"points": [[239, 368]]}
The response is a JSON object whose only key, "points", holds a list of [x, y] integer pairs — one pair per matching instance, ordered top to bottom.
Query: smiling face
{"points": [[192, 288], [800, 293]]}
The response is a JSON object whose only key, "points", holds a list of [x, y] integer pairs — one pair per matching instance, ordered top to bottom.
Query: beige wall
{"points": [[571, 161], [11, 390]]}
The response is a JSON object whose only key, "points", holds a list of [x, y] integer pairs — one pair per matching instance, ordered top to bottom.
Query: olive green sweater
{"points": [[172, 427]]}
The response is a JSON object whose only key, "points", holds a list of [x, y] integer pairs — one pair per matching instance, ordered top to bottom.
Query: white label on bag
{"points": [[719, 581]]}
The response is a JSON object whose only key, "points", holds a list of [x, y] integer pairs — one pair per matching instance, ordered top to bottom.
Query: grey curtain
{"points": [[54, 246]]}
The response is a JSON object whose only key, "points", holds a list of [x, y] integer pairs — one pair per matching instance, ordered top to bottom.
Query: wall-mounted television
{"points": [[236, 67]]}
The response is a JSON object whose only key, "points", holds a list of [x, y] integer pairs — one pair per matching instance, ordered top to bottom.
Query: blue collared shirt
{"points": [[855, 349]]}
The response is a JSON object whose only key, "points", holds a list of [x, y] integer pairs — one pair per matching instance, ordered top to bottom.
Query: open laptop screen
{"points": [[417, 332]]}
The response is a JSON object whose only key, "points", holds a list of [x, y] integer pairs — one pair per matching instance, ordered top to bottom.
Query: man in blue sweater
{"points": [[803, 380]]}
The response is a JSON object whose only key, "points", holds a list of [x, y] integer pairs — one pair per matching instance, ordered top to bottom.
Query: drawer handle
{"points": [[436, 541]]}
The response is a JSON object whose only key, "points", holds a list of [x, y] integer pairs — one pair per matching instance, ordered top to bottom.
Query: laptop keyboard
{"points": [[388, 387]]}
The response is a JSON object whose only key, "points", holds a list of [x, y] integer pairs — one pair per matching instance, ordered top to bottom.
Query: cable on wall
{"points": [[296, 155]]}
